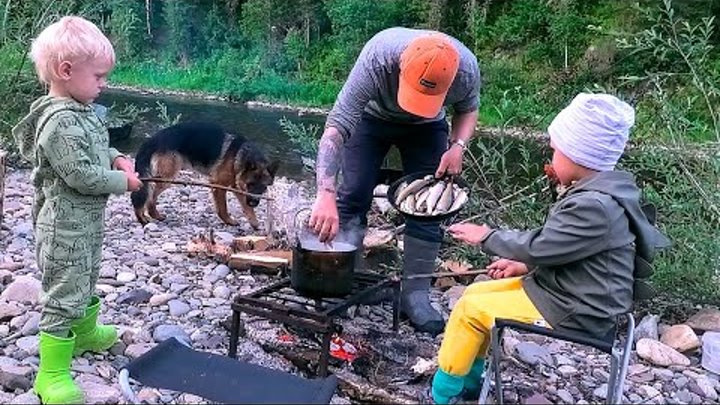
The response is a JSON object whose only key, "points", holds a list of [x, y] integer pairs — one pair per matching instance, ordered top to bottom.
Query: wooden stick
{"points": [[197, 183], [445, 274]]}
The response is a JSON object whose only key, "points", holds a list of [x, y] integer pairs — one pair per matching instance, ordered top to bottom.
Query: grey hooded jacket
{"points": [[585, 253]]}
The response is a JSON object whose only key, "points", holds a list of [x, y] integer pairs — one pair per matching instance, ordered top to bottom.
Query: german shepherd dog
{"points": [[228, 160]]}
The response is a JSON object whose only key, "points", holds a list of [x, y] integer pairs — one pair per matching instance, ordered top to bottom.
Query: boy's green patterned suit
{"points": [[73, 177]]}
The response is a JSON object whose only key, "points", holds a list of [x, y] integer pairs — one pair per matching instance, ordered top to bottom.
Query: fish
{"points": [[412, 188], [434, 195], [430, 197], [446, 199], [420, 200], [459, 200]]}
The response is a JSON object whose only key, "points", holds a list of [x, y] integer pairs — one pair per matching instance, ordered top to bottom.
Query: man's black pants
{"points": [[421, 146]]}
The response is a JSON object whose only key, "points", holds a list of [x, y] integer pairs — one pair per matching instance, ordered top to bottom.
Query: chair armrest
{"points": [[558, 334]]}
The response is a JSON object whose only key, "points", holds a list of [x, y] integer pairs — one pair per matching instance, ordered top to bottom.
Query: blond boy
{"points": [[74, 172]]}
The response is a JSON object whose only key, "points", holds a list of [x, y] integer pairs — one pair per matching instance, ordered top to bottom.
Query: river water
{"points": [[259, 125]]}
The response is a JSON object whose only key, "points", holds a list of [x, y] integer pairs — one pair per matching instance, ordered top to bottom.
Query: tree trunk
{"points": [[471, 9], [436, 14], [148, 17], [3, 156]]}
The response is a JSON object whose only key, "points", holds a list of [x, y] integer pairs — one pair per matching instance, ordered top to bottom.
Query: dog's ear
{"points": [[273, 168]]}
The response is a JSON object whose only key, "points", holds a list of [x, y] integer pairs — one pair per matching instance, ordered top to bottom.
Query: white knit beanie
{"points": [[592, 131]]}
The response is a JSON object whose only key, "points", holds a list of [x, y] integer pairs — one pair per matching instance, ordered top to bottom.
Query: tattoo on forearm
{"points": [[328, 162]]}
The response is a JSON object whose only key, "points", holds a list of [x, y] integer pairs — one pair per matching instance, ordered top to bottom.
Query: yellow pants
{"points": [[467, 334]]}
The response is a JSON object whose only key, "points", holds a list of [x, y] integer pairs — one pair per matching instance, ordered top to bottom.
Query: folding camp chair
{"points": [[619, 355], [173, 365]]}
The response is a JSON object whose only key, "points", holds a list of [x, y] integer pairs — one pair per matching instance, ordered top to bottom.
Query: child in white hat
{"points": [[576, 272]]}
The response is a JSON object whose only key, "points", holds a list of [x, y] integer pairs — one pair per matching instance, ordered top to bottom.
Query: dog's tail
{"points": [[142, 167]]}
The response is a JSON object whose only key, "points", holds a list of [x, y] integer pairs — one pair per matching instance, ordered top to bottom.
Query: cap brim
{"points": [[414, 102]]}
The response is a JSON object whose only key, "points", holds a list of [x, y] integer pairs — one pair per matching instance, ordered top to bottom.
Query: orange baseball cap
{"points": [[427, 69]]}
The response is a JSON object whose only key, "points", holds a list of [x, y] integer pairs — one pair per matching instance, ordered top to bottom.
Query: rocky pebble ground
{"points": [[152, 290]]}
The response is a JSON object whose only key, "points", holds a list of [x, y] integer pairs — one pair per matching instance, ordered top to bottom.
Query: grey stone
{"points": [[23, 230], [218, 273], [125, 277], [178, 288], [25, 289], [221, 291], [135, 296], [161, 299], [178, 308], [9, 310], [705, 320], [31, 325], [647, 328], [164, 332], [29, 344], [136, 350], [532, 353], [660, 354], [566, 370], [663, 374], [15, 378], [680, 382], [706, 389], [601, 391], [97, 392], [649, 392], [684, 396], [565, 397], [6, 398], [28, 398], [635, 398]]}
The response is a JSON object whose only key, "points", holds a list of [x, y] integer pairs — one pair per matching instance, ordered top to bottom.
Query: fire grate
{"points": [[280, 302]]}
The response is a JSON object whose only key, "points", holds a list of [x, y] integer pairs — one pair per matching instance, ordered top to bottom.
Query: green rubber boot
{"points": [[92, 336], [473, 380], [53, 382], [446, 388]]}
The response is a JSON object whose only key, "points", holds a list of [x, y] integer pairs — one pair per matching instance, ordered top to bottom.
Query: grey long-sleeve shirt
{"points": [[372, 85]]}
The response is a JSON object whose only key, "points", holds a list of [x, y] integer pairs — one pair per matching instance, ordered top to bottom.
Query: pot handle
{"points": [[295, 224]]}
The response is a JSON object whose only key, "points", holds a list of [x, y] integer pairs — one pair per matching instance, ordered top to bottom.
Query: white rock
{"points": [[169, 247], [125, 277], [25, 289], [221, 291], [453, 294], [161, 299], [9, 310], [707, 319], [647, 328], [681, 338], [29, 344], [136, 350], [660, 354], [567, 371], [707, 388], [650, 392], [99, 393], [28, 398]]}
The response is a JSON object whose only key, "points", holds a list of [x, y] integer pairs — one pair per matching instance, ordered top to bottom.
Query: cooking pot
{"points": [[320, 270]]}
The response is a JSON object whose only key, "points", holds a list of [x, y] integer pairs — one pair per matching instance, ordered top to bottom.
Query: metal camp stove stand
{"points": [[279, 302]]}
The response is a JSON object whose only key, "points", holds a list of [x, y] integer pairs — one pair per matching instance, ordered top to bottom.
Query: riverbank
{"points": [[153, 289]]}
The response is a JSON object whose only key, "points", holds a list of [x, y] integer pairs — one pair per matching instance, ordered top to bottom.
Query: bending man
{"points": [[396, 95]]}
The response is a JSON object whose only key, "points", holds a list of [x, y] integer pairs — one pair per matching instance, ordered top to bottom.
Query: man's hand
{"points": [[450, 162], [124, 164], [133, 183], [324, 220], [469, 233], [504, 268]]}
